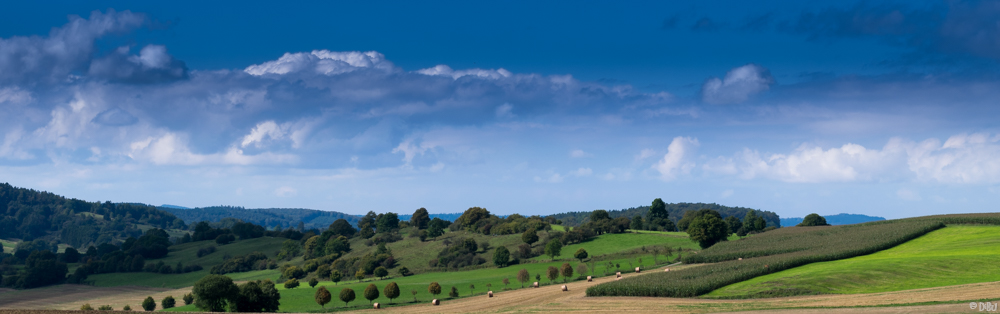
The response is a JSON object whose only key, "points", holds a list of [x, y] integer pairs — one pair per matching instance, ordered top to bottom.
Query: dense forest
{"points": [[675, 211], [28, 214], [267, 217]]}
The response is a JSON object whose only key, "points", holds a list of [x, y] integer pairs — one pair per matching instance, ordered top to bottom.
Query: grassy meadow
{"points": [[187, 254], [957, 254]]}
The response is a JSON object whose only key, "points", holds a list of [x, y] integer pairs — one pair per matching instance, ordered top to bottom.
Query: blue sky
{"points": [[885, 108]]}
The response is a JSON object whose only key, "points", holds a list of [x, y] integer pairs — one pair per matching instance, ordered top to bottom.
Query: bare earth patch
{"points": [[71, 297]]}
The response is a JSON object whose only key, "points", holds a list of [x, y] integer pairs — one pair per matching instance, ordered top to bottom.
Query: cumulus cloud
{"points": [[67, 48], [323, 62], [152, 65], [444, 70], [737, 86], [15, 95], [115, 117], [264, 130], [171, 149], [579, 153], [961, 159], [677, 160]]}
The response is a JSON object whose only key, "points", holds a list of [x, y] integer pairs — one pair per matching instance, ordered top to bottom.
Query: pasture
{"points": [[958, 254]]}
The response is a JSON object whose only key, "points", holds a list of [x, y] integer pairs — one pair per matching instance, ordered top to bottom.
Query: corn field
{"points": [[779, 250]]}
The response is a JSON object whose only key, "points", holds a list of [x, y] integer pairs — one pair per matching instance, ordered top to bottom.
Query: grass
{"points": [[558, 228], [613, 243], [8, 246], [187, 253], [766, 253], [951, 256], [301, 299]]}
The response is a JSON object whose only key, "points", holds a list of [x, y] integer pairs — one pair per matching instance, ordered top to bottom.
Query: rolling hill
{"points": [[838, 219]]}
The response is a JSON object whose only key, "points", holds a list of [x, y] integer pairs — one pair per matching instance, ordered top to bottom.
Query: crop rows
{"points": [[772, 252]]}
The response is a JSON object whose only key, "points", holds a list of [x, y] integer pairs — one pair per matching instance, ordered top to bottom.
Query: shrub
{"points": [[813, 220], [206, 250], [403, 271], [381, 272], [335, 276], [313, 282], [291, 283], [454, 292], [213, 293], [371, 293], [347, 295], [257, 296], [323, 297], [188, 299], [168, 302], [149, 304], [86, 307], [105, 308], [127, 308]]}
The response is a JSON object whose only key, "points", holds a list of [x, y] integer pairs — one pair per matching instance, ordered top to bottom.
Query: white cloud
{"points": [[323, 62], [444, 70], [738, 85], [15, 95], [505, 111], [266, 129], [170, 149], [410, 150], [579, 153], [645, 153], [963, 158], [676, 161], [849, 162], [582, 172], [554, 178], [285, 191], [727, 193]]}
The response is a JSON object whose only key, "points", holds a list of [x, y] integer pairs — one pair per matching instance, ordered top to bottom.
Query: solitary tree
{"points": [[658, 210], [420, 218], [813, 220], [708, 229], [529, 236], [554, 248], [581, 254], [501, 256], [581, 268], [567, 271], [381, 272], [552, 273], [360, 274], [335, 276], [523, 276], [313, 282], [506, 282], [291, 283], [434, 288], [472, 288], [391, 291], [214, 293], [371, 293], [414, 293], [453, 293], [347, 295], [323, 297], [168, 302], [149, 304]]}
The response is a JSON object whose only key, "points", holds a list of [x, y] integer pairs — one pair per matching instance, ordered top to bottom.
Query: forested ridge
{"points": [[675, 211], [29, 214], [267, 217]]}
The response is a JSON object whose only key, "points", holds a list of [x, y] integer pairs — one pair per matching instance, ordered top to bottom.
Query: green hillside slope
{"points": [[958, 254]]}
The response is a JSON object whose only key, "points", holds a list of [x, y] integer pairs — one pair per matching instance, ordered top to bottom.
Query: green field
{"points": [[558, 228], [622, 242], [8, 246], [187, 254], [957, 254], [301, 299]]}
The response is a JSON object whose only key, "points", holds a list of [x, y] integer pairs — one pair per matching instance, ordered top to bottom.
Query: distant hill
{"points": [[675, 210], [29, 214], [267, 217], [448, 217], [838, 219]]}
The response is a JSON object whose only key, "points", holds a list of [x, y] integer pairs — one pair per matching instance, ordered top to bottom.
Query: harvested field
{"points": [[71, 297]]}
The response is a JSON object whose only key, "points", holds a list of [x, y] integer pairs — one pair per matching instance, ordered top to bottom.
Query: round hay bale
{"points": [[741, 258], [637, 269], [666, 269], [619, 274], [590, 278], [618, 278], [534, 285], [564, 288], [490, 293], [435, 302], [376, 306]]}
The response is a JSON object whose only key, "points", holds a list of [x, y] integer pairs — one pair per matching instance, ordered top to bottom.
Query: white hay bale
{"points": [[741, 258], [637, 269], [666, 269], [619, 274], [589, 278], [534, 285], [564, 288], [489, 293], [435, 302], [377, 306]]}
